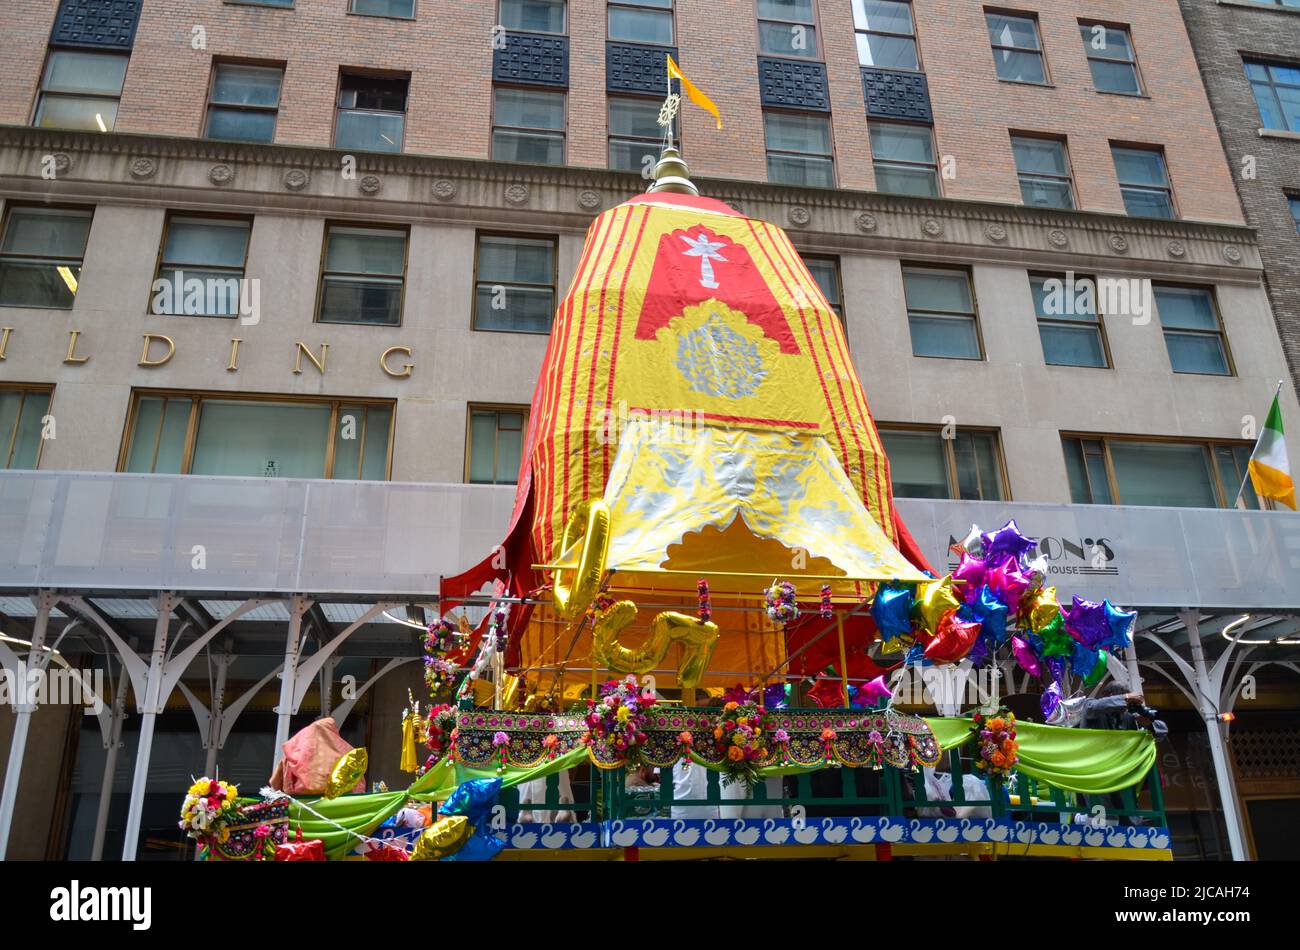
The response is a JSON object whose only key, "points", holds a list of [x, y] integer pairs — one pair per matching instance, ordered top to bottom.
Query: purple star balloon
{"points": [[1007, 541], [971, 573], [1009, 581], [1086, 621], [1025, 657]]}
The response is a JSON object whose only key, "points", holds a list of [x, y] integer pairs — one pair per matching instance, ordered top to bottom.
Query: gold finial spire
{"points": [[672, 175]]}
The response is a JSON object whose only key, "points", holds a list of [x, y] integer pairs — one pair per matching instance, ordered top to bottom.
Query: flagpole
{"points": [[1236, 500]]}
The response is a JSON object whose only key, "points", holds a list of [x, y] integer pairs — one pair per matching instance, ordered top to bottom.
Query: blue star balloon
{"points": [[892, 610], [991, 612], [1121, 627], [1082, 660], [473, 799]]}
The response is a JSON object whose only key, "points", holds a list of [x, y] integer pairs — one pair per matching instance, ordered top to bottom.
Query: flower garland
{"points": [[781, 605], [706, 606], [827, 611], [440, 637], [439, 674], [619, 717], [441, 729], [738, 738], [997, 748], [208, 812]]}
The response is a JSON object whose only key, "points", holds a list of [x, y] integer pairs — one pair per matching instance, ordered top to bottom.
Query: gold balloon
{"points": [[586, 540], [933, 600], [1043, 609], [698, 638], [348, 770], [445, 836]]}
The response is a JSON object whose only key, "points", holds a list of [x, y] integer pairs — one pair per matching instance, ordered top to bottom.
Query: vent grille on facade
{"points": [[107, 24], [532, 59], [631, 67], [791, 84], [893, 94], [1267, 754]]}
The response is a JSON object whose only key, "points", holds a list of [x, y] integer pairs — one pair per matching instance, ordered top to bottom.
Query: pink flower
{"points": [[782, 736], [500, 739]]}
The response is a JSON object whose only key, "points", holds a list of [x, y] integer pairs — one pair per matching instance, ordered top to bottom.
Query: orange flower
{"points": [[730, 706], [996, 724], [717, 733], [828, 735], [1008, 746], [735, 753], [999, 759]]}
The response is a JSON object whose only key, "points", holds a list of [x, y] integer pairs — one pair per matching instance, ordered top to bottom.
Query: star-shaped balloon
{"points": [[1007, 541], [973, 543], [1036, 571], [969, 577], [1009, 581], [933, 600], [1043, 608], [892, 610], [991, 613], [1086, 621], [1121, 627], [952, 640], [1056, 641], [896, 645], [979, 653], [916, 654], [1025, 657], [1082, 660], [1098, 671], [827, 692], [872, 692], [1051, 699], [474, 799]]}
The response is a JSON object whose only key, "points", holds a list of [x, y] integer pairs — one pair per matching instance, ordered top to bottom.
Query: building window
{"points": [[401, 9], [534, 16], [641, 21], [787, 28], [885, 34], [1017, 50], [1110, 57], [80, 90], [1277, 92], [244, 102], [371, 112], [528, 126], [634, 133], [799, 149], [903, 159], [1044, 172], [1143, 181], [1294, 203], [212, 251], [40, 256], [825, 272], [363, 276], [514, 283], [941, 313], [1071, 331], [1193, 332], [22, 425], [188, 434], [496, 444], [924, 464], [1122, 471]]}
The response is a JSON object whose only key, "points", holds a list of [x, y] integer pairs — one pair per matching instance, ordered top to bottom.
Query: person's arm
{"points": [[1105, 704]]}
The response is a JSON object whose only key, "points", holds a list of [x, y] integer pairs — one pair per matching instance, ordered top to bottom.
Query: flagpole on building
{"points": [[1236, 501]]}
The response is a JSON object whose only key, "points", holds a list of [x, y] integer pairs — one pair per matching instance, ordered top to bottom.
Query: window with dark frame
{"points": [[398, 9], [534, 16], [641, 21], [788, 28], [885, 34], [1017, 49], [1111, 58], [80, 89], [1277, 93], [244, 102], [371, 112], [528, 126], [634, 133], [799, 150], [903, 158], [1043, 168], [1143, 181], [1293, 202], [41, 250], [211, 250], [825, 272], [363, 275], [514, 283], [941, 312], [1192, 329], [1071, 331], [23, 410], [195, 434], [495, 444], [923, 463], [1113, 470]]}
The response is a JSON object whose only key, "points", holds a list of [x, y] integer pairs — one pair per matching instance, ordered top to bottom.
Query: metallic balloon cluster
{"points": [[997, 588], [463, 831]]}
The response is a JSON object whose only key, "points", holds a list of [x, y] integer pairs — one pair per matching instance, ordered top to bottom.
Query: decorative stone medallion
{"points": [[62, 162], [142, 168], [221, 174], [296, 179], [371, 185], [444, 189], [516, 194], [589, 200], [799, 215], [866, 222], [932, 227], [996, 233], [1057, 238], [1118, 243], [1177, 249], [1232, 253]]}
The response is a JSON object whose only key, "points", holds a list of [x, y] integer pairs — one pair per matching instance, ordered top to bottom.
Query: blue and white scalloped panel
{"points": [[717, 832]]}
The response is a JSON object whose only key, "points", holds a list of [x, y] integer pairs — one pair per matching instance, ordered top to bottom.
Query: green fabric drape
{"points": [[1089, 761]]}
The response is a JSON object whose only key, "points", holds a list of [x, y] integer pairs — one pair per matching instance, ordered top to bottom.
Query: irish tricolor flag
{"points": [[1270, 470]]}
